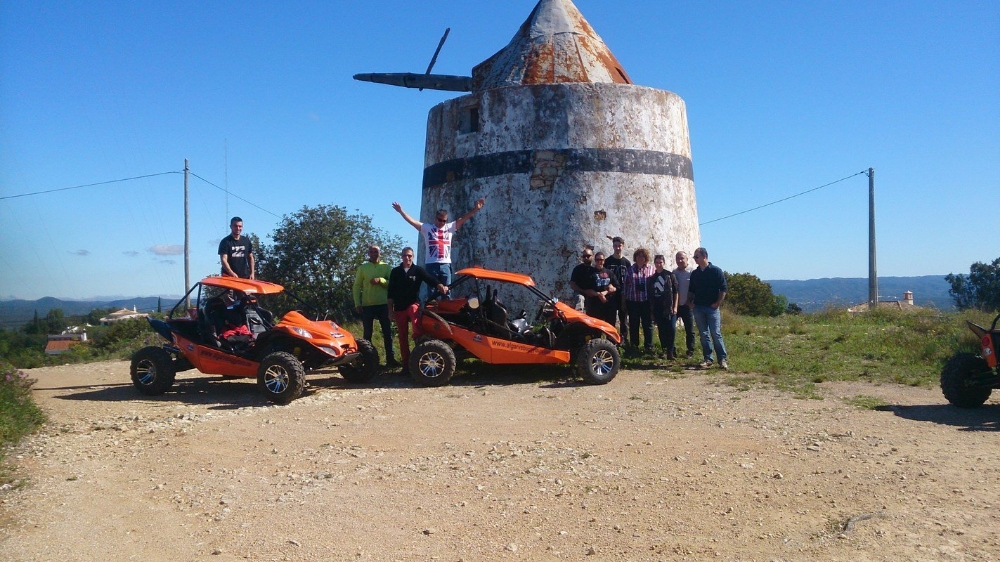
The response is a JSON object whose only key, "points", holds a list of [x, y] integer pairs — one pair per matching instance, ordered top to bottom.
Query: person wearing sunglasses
{"points": [[437, 238], [581, 280], [403, 299]]}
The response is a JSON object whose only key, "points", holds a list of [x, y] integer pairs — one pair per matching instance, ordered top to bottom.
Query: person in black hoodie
{"points": [[618, 264], [662, 290], [403, 298]]}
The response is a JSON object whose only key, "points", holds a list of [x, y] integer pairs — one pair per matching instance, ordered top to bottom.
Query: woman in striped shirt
{"points": [[637, 300]]}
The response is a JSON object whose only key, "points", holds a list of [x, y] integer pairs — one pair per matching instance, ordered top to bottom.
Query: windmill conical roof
{"points": [[554, 45]]}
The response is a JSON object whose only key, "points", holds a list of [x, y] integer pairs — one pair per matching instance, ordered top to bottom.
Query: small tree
{"points": [[316, 252], [980, 289], [750, 296]]}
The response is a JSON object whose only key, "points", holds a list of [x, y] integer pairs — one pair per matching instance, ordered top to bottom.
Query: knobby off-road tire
{"points": [[598, 361], [432, 363], [365, 367], [152, 371], [957, 371], [281, 377]]}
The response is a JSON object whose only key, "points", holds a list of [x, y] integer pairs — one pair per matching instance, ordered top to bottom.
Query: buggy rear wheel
{"points": [[598, 361], [432, 363], [365, 367], [152, 371], [281, 377], [955, 380]]}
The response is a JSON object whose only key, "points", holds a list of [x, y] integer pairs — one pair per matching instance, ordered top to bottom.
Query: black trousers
{"points": [[617, 309], [639, 313], [368, 316], [687, 317]]}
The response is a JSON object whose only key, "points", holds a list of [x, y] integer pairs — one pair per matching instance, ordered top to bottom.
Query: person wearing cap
{"points": [[437, 238], [618, 264], [371, 282]]}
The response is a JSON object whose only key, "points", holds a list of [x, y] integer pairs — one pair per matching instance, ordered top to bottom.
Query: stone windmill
{"points": [[564, 147]]}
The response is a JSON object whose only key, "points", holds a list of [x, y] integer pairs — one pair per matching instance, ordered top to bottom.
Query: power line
{"points": [[137, 178], [86, 185], [234, 195], [785, 199]]}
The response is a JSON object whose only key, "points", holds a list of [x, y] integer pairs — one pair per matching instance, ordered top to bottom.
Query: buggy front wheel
{"points": [[598, 361], [432, 363], [152, 371], [281, 377]]}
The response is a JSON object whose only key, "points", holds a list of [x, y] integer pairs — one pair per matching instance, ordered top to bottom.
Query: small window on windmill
{"points": [[468, 121]]}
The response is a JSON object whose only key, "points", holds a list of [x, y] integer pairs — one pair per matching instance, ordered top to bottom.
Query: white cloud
{"points": [[167, 249], [81, 253], [131, 253]]}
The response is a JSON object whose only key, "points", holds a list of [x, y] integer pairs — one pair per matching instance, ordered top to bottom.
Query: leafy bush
{"points": [[316, 252], [980, 289], [750, 296], [122, 339], [19, 415]]}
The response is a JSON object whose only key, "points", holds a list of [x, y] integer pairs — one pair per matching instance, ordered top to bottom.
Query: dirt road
{"points": [[500, 468]]}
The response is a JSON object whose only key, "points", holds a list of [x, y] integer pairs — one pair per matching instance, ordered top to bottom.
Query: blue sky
{"points": [[781, 97]]}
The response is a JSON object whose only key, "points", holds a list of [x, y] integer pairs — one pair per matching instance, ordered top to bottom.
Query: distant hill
{"points": [[816, 294], [15, 313]]}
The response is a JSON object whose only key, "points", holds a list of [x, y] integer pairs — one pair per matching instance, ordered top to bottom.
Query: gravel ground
{"points": [[503, 466]]}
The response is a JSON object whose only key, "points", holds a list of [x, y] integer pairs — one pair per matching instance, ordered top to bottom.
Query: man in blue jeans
{"points": [[706, 292]]}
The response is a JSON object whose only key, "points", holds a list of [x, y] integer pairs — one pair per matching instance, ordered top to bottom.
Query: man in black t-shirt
{"points": [[236, 252], [619, 264], [581, 280]]}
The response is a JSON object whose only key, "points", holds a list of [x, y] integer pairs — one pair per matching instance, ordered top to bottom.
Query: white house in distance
{"points": [[905, 304], [123, 314], [59, 344]]}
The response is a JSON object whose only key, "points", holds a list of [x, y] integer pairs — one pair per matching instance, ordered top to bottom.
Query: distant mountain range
{"points": [[930, 291], [812, 295], [14, 313]]}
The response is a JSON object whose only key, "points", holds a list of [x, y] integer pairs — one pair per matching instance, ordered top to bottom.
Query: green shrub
{"points": [[19, 415]]}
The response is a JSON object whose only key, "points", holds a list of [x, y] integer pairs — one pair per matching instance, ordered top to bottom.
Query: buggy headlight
{"points": [[303, 333], [328, 350]]}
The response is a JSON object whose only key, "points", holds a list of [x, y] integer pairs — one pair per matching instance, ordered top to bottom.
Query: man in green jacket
{"points": [[370, 283]]}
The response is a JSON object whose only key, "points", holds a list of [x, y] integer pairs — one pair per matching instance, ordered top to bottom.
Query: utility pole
{"points": [[187, 239], [872, 271]]}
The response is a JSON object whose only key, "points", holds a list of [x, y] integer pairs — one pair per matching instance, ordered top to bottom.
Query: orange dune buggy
{"points": [[475, 323], [228, 333]]}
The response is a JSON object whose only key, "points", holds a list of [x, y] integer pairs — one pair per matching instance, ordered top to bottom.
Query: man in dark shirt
{"points": [[236, 252], [618, 264], [581, 280], [705, 294], [403, 298]]}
